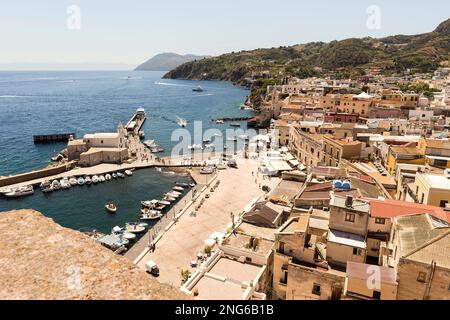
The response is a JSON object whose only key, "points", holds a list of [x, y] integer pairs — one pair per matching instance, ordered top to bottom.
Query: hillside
{"points": [[423, 52], [166, 61]]}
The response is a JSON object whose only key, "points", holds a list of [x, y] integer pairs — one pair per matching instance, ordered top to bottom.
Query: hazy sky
{"points": [[129, 32]]}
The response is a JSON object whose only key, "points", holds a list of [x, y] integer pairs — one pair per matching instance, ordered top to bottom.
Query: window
{"points": [[423, 195], [443, 203], [350, 217], [380, 220], [356, 252], [421, 276], [284, 277], [316, 289], [376, 295]]}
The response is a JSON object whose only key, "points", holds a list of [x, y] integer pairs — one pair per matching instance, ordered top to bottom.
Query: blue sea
{"points": [[91, 101]]}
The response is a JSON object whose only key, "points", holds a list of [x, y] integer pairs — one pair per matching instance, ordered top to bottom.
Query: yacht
{"points": [[128, 172], [107, 177], [101, 178], [94, 179], [87, 180], [73, 181], [80, 181], [56, 185], [46, 187], [19, 192]]}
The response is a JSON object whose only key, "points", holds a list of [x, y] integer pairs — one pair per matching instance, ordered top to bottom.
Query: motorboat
{"points": [[197, 89], [218, 121], [181, 122], [217, 134], [207, 170], [128, 172], [114, 175], [120, 175], [107, 177], [101, 178], [94, 179], [87, 180], [73, 181], [80, 181], [65, 184], [182, 184], [56, 185], [46, 187], [178, 188], [19, 192], [174, 194], [168, 198], [164, 202], [149, 203], [111, 207], [148, 214], [142, 224], [134, 228], [128, 235]]}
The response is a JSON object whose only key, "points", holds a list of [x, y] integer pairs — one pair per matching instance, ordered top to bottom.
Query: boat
{"points": [[198, 89], [218, 121], [181, 122], [235, 124], [141, 134], [209, 146], [156, 149], [207, 170], [128, 172], [114, 175], [120, 175], [107, 177], [101, 178], [94, 179], [87, 180], [73, 181], [80, 181], [65, 184], [182, 184], [56, 185], [192, 185], [46, 187], [178, 188], [20, 192], [174, 194], [168, 198], [164, 202], [149, 203], [111, 207], [148, 214], [134, 227], [128, 236]]}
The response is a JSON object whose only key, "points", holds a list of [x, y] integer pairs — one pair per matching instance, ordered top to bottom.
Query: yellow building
{"points": [[306, 147], [436, 152], [403, 154], [431, 189]]}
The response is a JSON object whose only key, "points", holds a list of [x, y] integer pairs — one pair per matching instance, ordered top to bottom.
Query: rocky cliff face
{"points": [[40, 259]]}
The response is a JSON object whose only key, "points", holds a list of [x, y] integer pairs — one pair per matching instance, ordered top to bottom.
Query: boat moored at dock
{"points": [[20, 192]]}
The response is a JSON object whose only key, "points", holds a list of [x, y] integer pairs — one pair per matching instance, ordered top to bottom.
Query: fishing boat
{"points": [[197, 89], [181, 122], [128, 172], [114, 175], [120, 175], [107, 177], [101, 178], [94, 179], [87, 180], [73, 181], [80, 181], [65, 184], [56, 185], [46, 187], [178, 188], [20, 192], [111, 207], [134, 227]]}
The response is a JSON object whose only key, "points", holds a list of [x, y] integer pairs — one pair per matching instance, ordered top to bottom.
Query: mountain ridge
{"points": [[166, 61]]}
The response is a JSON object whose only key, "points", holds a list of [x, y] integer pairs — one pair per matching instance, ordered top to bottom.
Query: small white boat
{"points": [[219, 121], [181, 122], [207, 170], [128, 172], [114, 175], [120, 175], [107, 177], [101, 178], [94, 179], [87, 180], [73, 181], [80, 181], [65, 184], [181, 184], [56, 185], [46, 187], [178, 188], [20, 192], [174, 193], [169, 199], [164, 202], [149, 203], [111, 207], [134, 228], [128, 236]]}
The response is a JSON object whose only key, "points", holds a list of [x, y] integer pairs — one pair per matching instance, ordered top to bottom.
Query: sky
{"points": [[118, 34]]}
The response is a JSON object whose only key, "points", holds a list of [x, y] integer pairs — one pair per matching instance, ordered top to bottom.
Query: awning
{"points": [[345, 238]]}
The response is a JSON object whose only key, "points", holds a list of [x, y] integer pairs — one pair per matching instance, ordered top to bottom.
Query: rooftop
{"points": [[436, 181], [357, 204], [346, 238]]}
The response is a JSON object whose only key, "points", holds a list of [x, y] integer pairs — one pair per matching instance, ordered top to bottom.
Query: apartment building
{"points": [[306, 147], [334, 150], [431, 189]]}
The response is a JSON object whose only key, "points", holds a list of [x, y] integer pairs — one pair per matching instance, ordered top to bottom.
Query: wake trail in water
{"points": [[172, 84]]}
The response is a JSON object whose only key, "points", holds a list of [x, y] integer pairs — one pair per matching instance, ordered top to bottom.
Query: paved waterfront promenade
{"points": [[180, 244]]}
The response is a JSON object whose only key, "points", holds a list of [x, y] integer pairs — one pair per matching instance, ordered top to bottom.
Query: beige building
{"points": [[306, 147], [335, 150], [431, 189]]}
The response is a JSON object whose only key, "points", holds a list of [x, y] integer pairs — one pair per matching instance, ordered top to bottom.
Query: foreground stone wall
{"points": [[42, 260]]}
